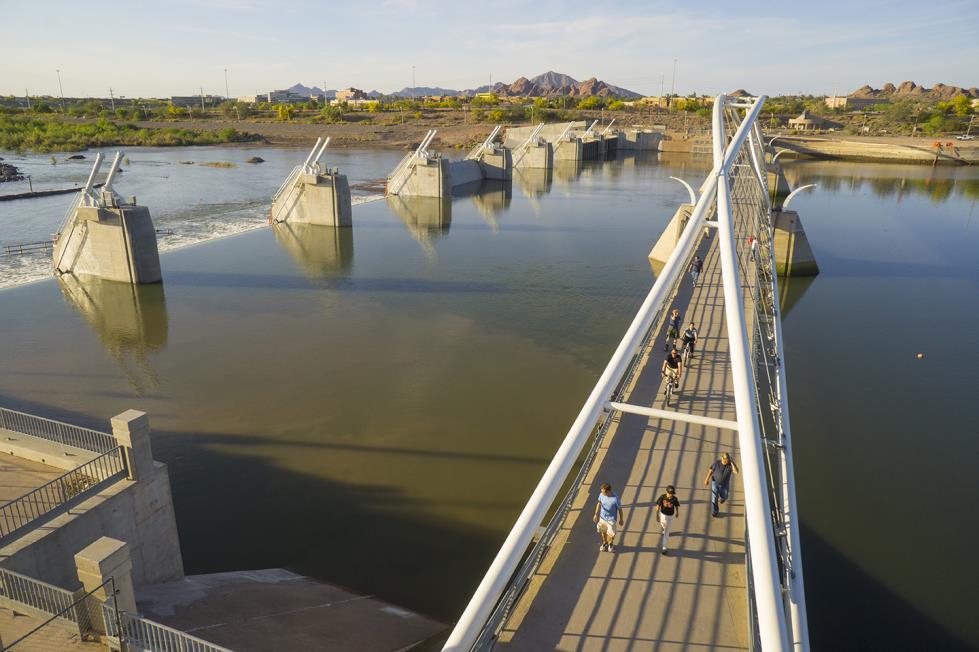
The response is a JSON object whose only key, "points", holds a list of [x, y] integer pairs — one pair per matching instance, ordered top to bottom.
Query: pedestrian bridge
{"points": [[549, 586]]}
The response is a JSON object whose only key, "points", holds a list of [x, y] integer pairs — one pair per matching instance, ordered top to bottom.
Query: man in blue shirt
{"points": [[719, 478], [608, 510]]}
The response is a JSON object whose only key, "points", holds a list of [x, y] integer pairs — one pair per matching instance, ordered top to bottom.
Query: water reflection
{"points": [[567, 171], [534, 182], [938, 184], [492, 199], [427, 218], [319, 251], [791, 289], [130, 320]]}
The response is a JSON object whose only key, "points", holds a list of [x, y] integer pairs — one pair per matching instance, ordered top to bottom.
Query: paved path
{"points": [[19, 476], [636, 598]]}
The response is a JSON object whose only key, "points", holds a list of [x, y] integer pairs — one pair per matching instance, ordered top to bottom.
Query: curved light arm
{"points": [[774, 138], [778, 153], [693, 195], [785, 204]]}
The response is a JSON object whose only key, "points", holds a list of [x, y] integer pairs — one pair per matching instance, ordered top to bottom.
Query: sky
{"points": [[177, 47]]}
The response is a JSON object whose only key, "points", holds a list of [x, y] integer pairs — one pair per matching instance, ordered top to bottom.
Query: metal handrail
{"points": [[289, 181], [66, 434], [33, 506], [38, 595], [152, 636]]}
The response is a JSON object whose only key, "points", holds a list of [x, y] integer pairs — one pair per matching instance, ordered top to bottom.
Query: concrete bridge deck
{"points": [[636, 598]]}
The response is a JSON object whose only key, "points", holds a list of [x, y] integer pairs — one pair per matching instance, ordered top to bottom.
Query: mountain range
{"points": [[549, 84], [909, 89]]}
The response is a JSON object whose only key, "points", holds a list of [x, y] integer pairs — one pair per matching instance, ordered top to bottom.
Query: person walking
{"points": [[753, 246], [695, 268], [672, 328], [719, 478], [667, 509], [608, 511]]}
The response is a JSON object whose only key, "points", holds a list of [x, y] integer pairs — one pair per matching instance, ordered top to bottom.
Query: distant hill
{"points": [[549, 84], [909, 89], [315, 90]]}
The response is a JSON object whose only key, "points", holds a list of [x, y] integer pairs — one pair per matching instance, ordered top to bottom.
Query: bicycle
{"points": [[687, 352], [671, 387]]}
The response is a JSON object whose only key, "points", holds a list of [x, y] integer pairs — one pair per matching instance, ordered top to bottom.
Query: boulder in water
{"points": [[75, 157], [255, 159]]}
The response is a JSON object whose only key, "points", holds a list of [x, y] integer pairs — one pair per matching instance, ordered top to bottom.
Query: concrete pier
{"points": [[639, 139], [569, 148], [535, 156], [497, 164], [777, 183], [312, 194], [321, 199], [670, 236], [106, 237], [793, 254]]}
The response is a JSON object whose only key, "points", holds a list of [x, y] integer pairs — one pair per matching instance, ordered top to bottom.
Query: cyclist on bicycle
{"points": [[672, 329], [690, 337], [673, 367]]}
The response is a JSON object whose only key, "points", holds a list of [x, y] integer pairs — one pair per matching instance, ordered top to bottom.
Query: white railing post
{"points": [[764, 567]]}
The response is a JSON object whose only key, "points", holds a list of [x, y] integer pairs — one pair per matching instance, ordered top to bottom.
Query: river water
{"points": [[373, 406]]}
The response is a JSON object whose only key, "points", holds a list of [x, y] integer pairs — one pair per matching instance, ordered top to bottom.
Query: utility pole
{"points": [[412, 83], [662, 84], [673, 85], [61, 90], [27, 94], [227, 94], [112, 99], [202, 99]]}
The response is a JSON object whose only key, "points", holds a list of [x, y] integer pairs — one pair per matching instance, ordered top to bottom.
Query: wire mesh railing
{"points": [[59, 432], [35, 505], [37, 595]]}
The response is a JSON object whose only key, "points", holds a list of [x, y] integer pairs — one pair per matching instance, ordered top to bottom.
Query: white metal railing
{"points": [[524, 147], [478, 150], [399, 176], [288, 183], [59, 432], [39, 503], [766, 554], [40, 596], [149, 636]]}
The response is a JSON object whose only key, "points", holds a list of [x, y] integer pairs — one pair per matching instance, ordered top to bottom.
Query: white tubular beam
{"points": [[608, 126], [591, 127], [565, 132], [534, 134], [489, 139], [319, 153], [309, 158], [91, 175], [107, 187], [693, 195], [785, 204], [673, 415], [508, 558], [764, 569], [797, 588]]}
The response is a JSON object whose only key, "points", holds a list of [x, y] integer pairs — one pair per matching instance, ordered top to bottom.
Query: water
{"points": [[189, 198], [374, 406]]}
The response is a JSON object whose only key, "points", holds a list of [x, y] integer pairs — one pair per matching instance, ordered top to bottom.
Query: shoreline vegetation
{"points": [[48, 133]]}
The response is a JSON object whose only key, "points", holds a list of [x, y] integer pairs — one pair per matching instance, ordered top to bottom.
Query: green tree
{"points": [[591, 102], [617, 105], [962, 106], [283, 112]]}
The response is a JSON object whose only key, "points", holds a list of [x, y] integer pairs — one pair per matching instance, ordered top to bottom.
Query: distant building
{"points": [[348, 94], [286, 97], [195, 100], [854, 103], [809, 122]]}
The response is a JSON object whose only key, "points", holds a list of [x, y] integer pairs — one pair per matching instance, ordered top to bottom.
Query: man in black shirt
{"points": [[695, 268], [673, 367], [719, 478], [667, 509]]}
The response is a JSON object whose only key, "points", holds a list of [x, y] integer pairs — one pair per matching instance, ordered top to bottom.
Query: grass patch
{"points": [[49, 133], [219, 164]]}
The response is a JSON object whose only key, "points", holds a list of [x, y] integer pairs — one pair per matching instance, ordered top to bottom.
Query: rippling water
{"points": [[373, 406]]}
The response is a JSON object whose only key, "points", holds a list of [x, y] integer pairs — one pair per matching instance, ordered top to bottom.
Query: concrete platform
{"points": [[19, 476], [636, 598], [274, 609], [56, 637]]}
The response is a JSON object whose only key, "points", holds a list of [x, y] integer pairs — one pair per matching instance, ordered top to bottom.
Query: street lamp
{"points": [[227, 95]]}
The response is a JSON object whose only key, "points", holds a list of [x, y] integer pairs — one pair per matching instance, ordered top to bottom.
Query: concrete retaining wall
{"points": [[516, 136], [641, 140], [540, 156], [463, 173], [428, 178], [137, 512]]}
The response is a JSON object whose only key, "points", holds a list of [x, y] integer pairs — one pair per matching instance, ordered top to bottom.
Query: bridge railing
{"points": [[735, 153], [59, 432], [35, 505], [143, 634]]}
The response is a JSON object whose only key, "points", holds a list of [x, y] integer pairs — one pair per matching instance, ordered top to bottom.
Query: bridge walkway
{"points": [[635, 598]]}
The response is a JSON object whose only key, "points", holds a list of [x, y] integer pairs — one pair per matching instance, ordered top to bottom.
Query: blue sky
{"points": [[178, 46]]}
